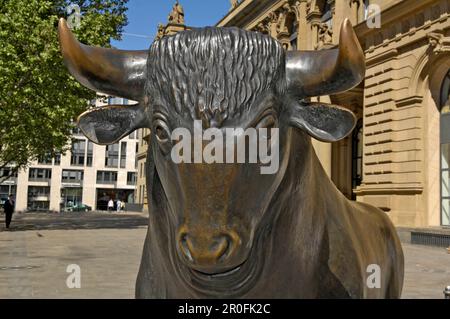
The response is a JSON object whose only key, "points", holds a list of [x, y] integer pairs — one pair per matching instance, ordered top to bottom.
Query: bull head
{"points": [[227, 78]]}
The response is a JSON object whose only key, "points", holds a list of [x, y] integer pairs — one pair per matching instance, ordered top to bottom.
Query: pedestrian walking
{"points": [[111, 205], [119, 205], [9, 210]]}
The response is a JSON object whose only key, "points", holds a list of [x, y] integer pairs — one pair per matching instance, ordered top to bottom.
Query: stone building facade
{"points": [[397, 158], [140, 195]]}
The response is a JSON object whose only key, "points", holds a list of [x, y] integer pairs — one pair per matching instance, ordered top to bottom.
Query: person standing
{"points": [[110, 205], [119, 205], [9, 210]]}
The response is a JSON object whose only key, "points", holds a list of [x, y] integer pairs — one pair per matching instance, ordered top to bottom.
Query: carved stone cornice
{"points": [[295, 7], [313, 16], [263, 27], [438, 43]]}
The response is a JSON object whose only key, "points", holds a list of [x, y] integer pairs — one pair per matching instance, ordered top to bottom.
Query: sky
{"points": [[144, 16]]}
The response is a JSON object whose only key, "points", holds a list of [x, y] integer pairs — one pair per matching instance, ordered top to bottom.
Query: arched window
{"points": [[445, 151], [357, 156]]}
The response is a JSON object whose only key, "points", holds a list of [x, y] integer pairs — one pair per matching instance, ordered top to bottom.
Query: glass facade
{"points": [[445, 151], [78, 153], [90, 154], [123, 154], [112, 155], [357, 156], [57, 159], [45, 160], [40, 174], [72, 176], [106, 177], [131, 178], [445, 184], [5, 191], [71, 196], [38, 198]]}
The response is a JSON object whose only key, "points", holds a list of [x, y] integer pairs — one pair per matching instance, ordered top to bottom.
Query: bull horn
{"points": [[110, 71], [326, 72]]}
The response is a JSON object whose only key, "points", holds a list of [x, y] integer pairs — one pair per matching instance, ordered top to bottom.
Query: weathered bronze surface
{"points": [[225, 230]]}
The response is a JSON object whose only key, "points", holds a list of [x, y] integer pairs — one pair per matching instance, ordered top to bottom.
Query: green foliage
{"points": [[38, 97]]}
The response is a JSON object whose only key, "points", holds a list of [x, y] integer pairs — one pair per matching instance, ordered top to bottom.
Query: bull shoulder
{"points": [[361, 235]]}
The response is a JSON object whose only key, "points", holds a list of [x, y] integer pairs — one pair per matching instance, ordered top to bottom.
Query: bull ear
{"points": [[324, 122], [107, 125]]}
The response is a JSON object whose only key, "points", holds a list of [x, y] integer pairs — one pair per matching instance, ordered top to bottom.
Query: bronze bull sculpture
{"points": [[225, 230]]}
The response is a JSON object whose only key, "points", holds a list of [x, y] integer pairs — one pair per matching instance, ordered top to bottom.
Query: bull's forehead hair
{"points": [[214, 73]]}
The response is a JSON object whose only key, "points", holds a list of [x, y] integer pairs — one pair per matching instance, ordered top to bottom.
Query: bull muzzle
{"points": [[209, 251]]}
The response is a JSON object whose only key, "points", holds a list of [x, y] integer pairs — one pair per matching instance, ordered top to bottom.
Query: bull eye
{"points": [[162, 135]]}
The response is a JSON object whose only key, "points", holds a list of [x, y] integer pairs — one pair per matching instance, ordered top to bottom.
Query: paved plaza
{"points": [[35, 254]]}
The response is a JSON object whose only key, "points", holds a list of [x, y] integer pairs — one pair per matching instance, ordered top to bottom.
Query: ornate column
{"points": [[299, 9], [357, 9], [313, 20], [273, 25], [282, 27]]}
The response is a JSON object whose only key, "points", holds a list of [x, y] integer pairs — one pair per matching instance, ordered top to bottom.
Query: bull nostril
{"points": [[185, 247], [221, 248], [217, 249]]}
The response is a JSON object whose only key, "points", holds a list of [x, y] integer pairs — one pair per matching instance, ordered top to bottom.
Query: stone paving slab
{"points": [[34, 257]]}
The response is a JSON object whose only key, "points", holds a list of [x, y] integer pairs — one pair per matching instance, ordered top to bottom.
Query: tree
{"points": [[38, 98]]}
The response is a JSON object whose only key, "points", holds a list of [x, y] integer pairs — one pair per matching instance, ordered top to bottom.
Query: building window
{"points": [[76, 131], [132, 135], [445, 151], [78, 153], [90, 154], [123, 154], [112, 155], [357, 156], [57, 159], [45, 160], [6, 172], [39, 174], [72, 176], [106, 177], [131, 178], [5, 191], [142, 195], [71, 196], [38, 198]]}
